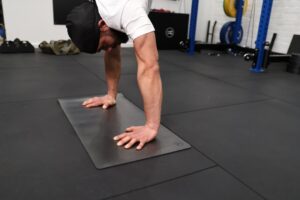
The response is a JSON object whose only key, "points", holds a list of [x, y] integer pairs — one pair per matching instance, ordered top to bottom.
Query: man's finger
{"points": [[91, 100], [86, 102], [93, 104], [105, 106], [131, 128], [119, 137], [124, 141], [129, 144], [140, 146]]}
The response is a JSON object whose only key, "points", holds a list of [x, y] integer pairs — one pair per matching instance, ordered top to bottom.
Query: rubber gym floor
{"points": [[243, 129]]}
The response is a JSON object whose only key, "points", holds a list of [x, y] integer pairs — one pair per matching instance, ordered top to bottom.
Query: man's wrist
{"points": [[112, 95], [153, 126]]}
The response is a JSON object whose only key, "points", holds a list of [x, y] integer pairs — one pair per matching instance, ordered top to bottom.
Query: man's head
{"points": [[89, 32], [109, 38]]}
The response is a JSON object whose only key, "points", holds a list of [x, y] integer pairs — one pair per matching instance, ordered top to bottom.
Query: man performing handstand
{"points": [[105, 28]]}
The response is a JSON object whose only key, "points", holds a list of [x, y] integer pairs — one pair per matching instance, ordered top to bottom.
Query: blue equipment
{"points": [[193, 27], [262, 35]]}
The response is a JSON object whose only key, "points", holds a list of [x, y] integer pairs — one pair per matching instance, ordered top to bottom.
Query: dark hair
{"points": [[82, 26], [123, 38]]}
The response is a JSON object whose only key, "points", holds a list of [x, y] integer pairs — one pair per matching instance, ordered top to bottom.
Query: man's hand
{"points": [[104, 101], [136, 134]]}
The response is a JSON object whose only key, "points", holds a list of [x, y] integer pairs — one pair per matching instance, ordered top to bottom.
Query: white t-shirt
{"points": [[128, 16]]}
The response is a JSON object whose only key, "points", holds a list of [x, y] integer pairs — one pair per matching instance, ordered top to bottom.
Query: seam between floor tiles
{"points": [[85, 68], [188, 70], [218, 79], [229, 83], [232, 84], [238, 86], [267, 97], [286, 102], [218, 107], [216, 164], [219, 165], [231, 174], [161, 182]]}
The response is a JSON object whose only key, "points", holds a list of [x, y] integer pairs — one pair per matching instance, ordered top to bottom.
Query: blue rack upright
{"points": [[193, 26], [262, 34]]}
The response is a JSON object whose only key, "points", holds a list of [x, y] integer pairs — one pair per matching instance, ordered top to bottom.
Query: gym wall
{"points": [[33, 20], [284, 22]]}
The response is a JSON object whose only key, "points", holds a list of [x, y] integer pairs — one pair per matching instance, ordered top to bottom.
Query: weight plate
{"points": [[229, 7], [226, 34]]}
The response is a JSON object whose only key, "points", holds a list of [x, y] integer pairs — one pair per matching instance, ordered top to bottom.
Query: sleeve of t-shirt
{"points": [[137, 23], [139, 27]]}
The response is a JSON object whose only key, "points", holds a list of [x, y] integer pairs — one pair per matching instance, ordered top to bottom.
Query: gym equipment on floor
{"points": [[193, 27], [170, 28], [2, 33], [210, 34], [231, 34], [227, 35], [262, 35], [295, 45], [16, 46], [268, 46], [269, 57], [294, 64], [96, 128]]}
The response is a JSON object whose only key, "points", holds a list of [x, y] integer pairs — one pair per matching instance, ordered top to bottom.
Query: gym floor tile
{"points": [[125, 52], [34, 60], [185, 60], [95, 64], [224, 67], [231, 70], [275, 70], [28, 84], [284, 87], [185, 91], [243, 128], [257, 142], [41, 157], [211, 184]]}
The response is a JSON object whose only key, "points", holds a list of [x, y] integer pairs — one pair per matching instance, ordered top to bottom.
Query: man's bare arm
{"points": [[112, 60], [149, 78], [150, 86]]}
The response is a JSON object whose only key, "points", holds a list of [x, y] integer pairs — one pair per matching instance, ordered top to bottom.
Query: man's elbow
{"points": [[149, 70]]}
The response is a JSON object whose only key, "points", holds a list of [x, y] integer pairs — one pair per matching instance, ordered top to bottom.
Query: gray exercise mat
{"points": [[96, 127]]}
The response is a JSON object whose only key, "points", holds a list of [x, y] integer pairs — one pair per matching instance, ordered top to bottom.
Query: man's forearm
{"points": [[112, 61], [150, 85]]}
